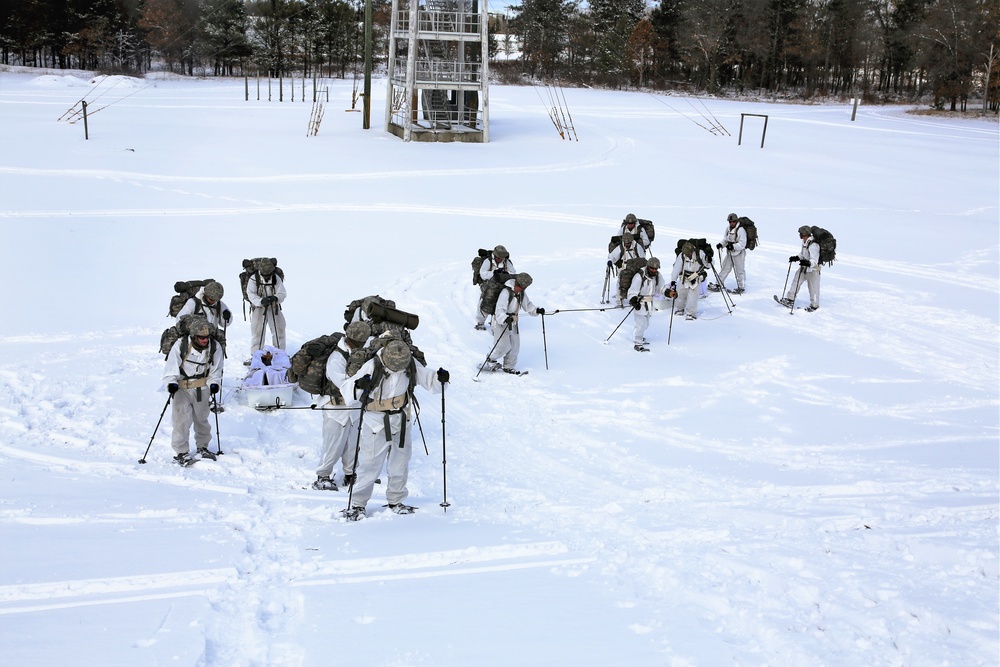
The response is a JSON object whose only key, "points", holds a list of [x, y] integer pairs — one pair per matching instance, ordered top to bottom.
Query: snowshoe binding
{"points": [[714, 287], [787, 303], [812, 309], [640, 348], [514, 371], [205, 454], [185, 460], [324, 483], [400, 508], [354, 514]]}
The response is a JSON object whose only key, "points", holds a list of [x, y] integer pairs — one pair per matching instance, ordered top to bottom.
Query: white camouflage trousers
{"points": [[734, 262], [811, 279], [687, 298], [272, 318], [640, 322], [507, 344], [188, 411], [339, 441], [372, 454]]}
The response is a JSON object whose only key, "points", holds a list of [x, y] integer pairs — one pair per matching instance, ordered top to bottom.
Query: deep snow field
{"points": [[768, 489]]}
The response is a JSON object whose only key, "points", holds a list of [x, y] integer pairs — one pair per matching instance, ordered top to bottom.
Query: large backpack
{"points": [[648, 226], [751, 229], [615, 241], [699, 244], [827, 245], [477, 264], [251, 267], [629, 269], [185, 289], [491, 291], [352, 307], [182, 329], [308, 366]]}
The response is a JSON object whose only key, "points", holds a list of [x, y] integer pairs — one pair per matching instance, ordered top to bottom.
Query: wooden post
{"points": [[246, 88], [367, 106], [854, 113], [86, 130]]}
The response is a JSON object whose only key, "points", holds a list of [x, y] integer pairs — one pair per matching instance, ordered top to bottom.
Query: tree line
{"points": [[944, 50]]}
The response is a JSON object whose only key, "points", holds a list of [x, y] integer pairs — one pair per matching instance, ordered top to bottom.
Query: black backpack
{"points": [[751, 229], [699, 244], [827, 245], [477, 264], [185, 289]]}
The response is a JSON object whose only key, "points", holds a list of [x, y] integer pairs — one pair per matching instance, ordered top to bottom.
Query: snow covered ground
{"points": [[767, 489]]}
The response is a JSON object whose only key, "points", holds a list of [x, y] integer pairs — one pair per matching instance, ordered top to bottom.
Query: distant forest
{"points": [[944, 52]]}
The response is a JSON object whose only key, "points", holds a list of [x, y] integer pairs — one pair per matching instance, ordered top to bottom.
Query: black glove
{"points": [[719, 246], [729, 246], [793, 258], [805, 262], [609, 263], [673, 284], [634, 302], [540, 311], [226, 315], [509, 321], [443, 375], [364, 383], [173, 387], [214, 388]]}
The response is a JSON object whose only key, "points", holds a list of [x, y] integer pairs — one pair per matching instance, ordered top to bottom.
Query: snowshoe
{"points": [[714, 287], [738, 290], [787, 303], [811, 309], [679, 312], [691, 317], [480, 326], [640, 348], [490, 366], [514, 371], [205, 454], [185, 460], [324, 483], [400, 508], [354, 514]]}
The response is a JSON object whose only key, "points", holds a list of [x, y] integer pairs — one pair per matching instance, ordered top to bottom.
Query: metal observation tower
{"points": [[438, 87]]}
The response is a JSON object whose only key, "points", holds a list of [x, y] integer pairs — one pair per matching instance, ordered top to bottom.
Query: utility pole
{"points": [[367, 102]]}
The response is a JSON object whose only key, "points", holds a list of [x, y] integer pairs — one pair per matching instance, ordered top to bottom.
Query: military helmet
{"points": [[732, 217], [630, 219], [805, 230], [627, 237], [687, 248], [501, 252], [653, 263], [266, 266], [522, 280], [214, 291], [199, 326], [358, 332], [396, 355]]}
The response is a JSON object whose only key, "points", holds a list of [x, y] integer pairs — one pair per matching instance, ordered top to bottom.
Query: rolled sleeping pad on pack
{"points": [[376, 311]]}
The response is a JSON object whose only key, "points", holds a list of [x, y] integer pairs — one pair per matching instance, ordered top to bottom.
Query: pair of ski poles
{"points": [[160, 420]]}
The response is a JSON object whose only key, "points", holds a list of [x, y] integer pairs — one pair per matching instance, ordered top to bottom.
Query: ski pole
{"points": [[787, 273], [798, 284], [722, 289], [604, 292], [580, 310], [620, 324], [670, 329], [545, 344], [490, 353], [169, 398], [416, 415], [218, 438], [357, 449], [444, 458]]}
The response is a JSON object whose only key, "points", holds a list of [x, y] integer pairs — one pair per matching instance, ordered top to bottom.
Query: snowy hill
{"points": [[768, 489]]}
